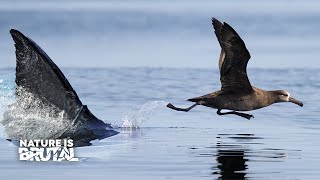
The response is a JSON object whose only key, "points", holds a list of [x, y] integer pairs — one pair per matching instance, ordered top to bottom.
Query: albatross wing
{"points": [[233, 60]]}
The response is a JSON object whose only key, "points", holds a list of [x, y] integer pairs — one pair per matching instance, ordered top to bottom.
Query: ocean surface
{"points": [[281, 142]]}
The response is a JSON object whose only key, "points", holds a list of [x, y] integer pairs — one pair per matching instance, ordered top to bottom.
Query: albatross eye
{"points": [[285, 95]]}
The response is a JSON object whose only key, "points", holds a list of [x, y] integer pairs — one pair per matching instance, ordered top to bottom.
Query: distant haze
{"points": [[278, 34]]}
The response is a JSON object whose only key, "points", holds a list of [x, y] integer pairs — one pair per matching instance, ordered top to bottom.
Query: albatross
{"points": [[237, 93]]}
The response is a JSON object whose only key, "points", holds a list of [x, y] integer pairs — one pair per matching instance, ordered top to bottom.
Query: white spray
{"points": [[136, 119]]}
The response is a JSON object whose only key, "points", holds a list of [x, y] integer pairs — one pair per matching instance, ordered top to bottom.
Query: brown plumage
{"points": [[236, 92]]}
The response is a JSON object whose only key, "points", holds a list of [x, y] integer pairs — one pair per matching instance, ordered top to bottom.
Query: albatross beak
{"points": [[293, 100]]}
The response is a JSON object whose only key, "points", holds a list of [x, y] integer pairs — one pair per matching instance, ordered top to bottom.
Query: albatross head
{"points": [[284, 96]]}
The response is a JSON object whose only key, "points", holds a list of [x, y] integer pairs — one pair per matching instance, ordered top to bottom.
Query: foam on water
{"points": [[134, 120]]}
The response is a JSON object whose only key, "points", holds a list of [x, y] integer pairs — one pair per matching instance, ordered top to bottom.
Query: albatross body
{"points": [[236, 92]]}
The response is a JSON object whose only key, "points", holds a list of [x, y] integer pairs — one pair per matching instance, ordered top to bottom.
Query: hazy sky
{"points": [[177, 33]]}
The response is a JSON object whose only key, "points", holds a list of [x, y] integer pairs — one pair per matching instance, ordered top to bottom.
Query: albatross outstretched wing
{"points": [[233, 60], [36, 73]]}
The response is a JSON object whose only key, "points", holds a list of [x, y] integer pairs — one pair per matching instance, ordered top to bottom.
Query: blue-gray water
{"points": [[281, 142]]}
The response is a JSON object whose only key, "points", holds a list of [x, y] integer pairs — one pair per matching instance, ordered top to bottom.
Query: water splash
{"points": [[7, 89], [6, 94], [29, 118], [136, 119]]}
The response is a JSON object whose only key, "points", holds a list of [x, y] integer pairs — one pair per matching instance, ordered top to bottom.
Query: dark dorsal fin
{"points": [[38, 74]]}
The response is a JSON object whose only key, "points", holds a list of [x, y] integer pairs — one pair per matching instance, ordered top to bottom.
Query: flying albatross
{"points": [[236, 92]]}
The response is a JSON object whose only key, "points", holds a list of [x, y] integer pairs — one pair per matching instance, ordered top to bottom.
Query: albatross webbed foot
{"points": [[181, 109], [244, 115], [247, 116]]}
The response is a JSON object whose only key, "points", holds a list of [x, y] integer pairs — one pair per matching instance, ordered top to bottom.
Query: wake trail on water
{"points": [[135, 119]]}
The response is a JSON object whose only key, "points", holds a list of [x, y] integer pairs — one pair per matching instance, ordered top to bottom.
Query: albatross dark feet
{"points": [[181, 109], [247, 116]]}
